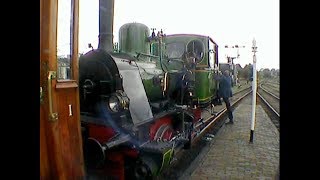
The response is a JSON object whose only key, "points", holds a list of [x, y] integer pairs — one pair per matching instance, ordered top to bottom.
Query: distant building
{"points": [[64, 71]]}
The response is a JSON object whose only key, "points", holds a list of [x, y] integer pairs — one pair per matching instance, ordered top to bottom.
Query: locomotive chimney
{"points": [[106, 8]]}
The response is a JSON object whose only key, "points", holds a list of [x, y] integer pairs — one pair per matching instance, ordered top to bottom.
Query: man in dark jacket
{"points": [[225, 92]]}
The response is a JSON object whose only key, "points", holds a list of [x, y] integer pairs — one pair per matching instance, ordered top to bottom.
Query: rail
{"points": [[269, 92], [269, 105]]}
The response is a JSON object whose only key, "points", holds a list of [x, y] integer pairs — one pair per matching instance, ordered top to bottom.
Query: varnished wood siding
{"points": [[61, 155]]}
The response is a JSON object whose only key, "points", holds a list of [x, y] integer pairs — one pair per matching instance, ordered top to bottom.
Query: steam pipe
{"points": [[106, 15]]}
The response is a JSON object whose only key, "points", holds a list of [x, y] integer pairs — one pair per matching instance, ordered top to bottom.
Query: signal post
{"points": [[254, 89]]}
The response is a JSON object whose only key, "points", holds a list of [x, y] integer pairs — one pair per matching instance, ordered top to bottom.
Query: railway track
{"points": [[273, 88], [271, 104], [212, 125]]}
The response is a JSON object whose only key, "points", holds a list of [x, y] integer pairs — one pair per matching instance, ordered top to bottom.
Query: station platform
{"points": [[230, 155]]}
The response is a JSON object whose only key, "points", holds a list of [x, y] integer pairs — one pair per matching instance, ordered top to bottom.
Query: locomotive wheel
{"points": [[164, 133], [145, 168]]}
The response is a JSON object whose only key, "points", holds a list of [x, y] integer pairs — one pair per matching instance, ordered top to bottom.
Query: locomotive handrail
{"points": [[148, 55], [175, 59]]}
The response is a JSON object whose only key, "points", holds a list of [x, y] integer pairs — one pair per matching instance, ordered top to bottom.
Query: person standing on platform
{"points": [[225, 92]]}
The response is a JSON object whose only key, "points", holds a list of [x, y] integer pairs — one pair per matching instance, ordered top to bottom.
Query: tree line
{"points": [[266, 73]]}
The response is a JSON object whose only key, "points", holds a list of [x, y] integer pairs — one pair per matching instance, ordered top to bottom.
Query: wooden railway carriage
{"points": [[61, 154]]}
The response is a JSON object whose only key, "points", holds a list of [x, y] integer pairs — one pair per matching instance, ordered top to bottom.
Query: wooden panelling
{"points": [[70, 137], [61, 155], [44, 162]]}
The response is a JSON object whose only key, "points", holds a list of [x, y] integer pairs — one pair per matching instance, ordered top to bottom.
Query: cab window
{"points": [[212, 55]]}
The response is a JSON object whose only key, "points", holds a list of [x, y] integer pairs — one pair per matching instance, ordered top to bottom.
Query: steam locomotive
{"points": [[145, 100]]}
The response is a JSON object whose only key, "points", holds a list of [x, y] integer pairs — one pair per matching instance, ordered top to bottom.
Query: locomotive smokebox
{"points": [[106, 9], [133, 37]]}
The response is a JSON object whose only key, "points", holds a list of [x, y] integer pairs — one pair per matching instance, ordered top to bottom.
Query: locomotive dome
{"points": [[133, 37]]}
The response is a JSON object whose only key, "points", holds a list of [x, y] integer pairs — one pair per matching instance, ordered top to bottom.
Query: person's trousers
{"points": [[229, 110]]}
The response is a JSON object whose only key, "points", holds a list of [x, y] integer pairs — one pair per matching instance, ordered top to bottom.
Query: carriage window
{"points": [[64, 39], [196, 48]]}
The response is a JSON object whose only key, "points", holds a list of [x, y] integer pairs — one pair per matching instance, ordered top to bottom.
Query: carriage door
{"points": [[61, 155]]}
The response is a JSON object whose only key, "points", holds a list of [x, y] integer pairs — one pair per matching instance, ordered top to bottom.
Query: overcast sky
{"points": [[228, 22]]}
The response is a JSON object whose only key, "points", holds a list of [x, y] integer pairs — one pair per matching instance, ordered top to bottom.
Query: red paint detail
{"points": [[197, 114], [154, 128], [100, 133], [168, 134], [132, 153], [115, 162], [115, 166]]}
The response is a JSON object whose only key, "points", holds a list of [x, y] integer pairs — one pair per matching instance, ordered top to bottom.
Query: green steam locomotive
{"points": [[145, 99]]}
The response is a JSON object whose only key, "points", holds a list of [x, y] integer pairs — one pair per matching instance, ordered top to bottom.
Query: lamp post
{"points": [[254, 89]]}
